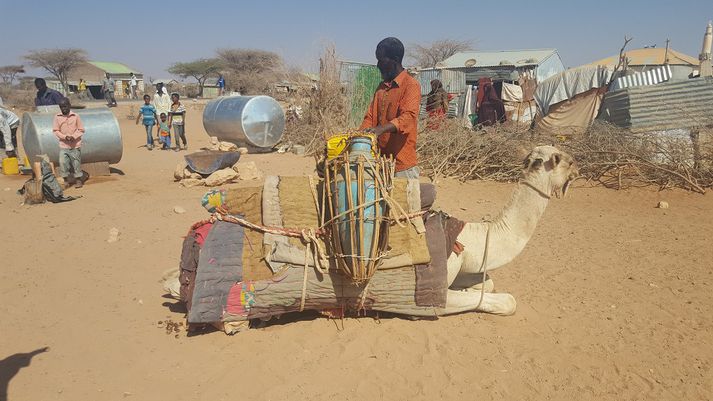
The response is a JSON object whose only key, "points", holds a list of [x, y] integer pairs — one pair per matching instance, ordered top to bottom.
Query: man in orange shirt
{"points": [[393, 113], [68, 128]]}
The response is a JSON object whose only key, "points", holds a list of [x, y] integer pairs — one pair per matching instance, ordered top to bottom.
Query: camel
{"points": [[547, 171], [486, 246]]}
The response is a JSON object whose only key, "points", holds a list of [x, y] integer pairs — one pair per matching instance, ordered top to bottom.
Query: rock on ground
{"points": [[227, 147], [247, 171], [178, 172], [188, 173], [221, 177], [192, 182], [178, 210], [113, 235]]}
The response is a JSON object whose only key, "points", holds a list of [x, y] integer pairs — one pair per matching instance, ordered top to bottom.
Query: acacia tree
{"points": [[429, 55], [58, 62], [199, 69], [250, 70], [9, 72]]}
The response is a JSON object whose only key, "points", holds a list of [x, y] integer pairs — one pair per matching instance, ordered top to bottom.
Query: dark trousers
{"points": [[109, 97], [179, 132], [13, 134]]}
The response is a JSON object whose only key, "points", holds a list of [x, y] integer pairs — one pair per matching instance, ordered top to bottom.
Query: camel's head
{"points": [[560, 167]]}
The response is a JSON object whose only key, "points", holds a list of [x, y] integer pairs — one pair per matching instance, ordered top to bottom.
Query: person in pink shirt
{"points": [[68, 128]]}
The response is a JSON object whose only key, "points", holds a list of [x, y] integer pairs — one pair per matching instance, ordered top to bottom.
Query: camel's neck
{"points": [[516, 223]]}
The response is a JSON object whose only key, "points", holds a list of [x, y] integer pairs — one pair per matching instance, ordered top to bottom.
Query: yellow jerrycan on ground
{"points": [[10, 166]]}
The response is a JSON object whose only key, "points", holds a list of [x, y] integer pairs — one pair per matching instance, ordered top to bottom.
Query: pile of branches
{"points": [[452, 150], [606, 155], [617, 158]]}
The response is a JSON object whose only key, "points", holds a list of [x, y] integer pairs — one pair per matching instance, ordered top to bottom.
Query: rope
{"points": [[304, 284], [362, 299]]}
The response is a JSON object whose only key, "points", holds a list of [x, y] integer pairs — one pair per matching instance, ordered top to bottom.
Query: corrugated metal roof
{"points": [[654, 56], [514, 58], [113, 68], [670, 105]]}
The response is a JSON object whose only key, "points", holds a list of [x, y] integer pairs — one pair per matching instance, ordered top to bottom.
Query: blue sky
{"points": [[151, 35]]}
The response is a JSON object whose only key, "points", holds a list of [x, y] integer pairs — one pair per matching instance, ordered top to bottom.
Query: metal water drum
{"points": [[251, 121], [101, 141]]}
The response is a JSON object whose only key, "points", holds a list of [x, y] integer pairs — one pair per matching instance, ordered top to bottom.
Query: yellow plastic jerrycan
{"points": [[10, 166]]}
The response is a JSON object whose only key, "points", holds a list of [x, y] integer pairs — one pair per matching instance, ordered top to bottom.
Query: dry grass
{"points": [[16, 97]]}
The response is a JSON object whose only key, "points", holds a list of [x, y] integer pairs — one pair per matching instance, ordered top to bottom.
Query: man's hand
{"points": [[381, 129]]}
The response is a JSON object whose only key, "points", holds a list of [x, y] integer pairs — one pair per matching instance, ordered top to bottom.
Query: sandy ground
{"points": [[614, 302]]}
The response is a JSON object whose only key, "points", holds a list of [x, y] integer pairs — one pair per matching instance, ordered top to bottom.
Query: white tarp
{"points": [[568, 84], [511, 93]]}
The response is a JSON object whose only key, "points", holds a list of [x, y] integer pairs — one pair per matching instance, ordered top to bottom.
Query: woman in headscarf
{"points": [[436, 104], [492, 109]]}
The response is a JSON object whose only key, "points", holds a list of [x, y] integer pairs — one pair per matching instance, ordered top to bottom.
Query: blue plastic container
{"points": [[363, 228]]}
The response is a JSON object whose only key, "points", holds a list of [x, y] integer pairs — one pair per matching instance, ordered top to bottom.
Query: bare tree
{"points": [[429, 55], [58, 62], [199, 69], [250, 70], [9, 72]]}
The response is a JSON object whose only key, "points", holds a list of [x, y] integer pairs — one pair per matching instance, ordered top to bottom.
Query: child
{"points": [[148, 113], [177, 120], [9, 122], [68, 128], [164, 133]]}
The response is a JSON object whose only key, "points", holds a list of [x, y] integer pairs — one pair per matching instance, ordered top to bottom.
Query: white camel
{"points": [[547, 172]]}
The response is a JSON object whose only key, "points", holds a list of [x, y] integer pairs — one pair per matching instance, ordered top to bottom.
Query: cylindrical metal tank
{"points": [[252, 121], [101, 141]]}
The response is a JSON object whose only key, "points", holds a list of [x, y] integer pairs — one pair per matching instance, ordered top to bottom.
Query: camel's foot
{"points": [[464, 301]]}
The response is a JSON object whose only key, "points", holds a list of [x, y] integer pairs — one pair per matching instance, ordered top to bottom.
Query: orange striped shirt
{"points": [[397, 102]]}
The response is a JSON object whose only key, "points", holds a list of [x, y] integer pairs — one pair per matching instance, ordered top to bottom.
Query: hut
{"points": [[93, 72]]}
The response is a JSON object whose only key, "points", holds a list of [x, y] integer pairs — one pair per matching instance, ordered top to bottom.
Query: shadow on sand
{"points": [[10, 366]]}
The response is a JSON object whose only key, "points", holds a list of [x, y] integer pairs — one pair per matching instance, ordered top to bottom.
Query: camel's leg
{"points": [[465, 273], [479, 284], [465, 301]]}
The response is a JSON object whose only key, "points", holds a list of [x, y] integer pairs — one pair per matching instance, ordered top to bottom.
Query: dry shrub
{"points": [[324, 112], [606, 155], [617, 158]]}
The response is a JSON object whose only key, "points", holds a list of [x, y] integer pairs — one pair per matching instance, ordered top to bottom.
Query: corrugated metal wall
{"points": [[453, 80], [670, 105]]}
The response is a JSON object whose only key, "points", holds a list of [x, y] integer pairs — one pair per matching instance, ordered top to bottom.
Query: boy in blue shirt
{"points": [[148, 113]]}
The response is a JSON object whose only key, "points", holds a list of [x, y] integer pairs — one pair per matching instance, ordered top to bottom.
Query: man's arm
{"points": [[57, 97], [410, 107]]}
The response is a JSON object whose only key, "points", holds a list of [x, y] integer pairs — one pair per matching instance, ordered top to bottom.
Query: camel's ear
{"points": [[553, 162]]}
